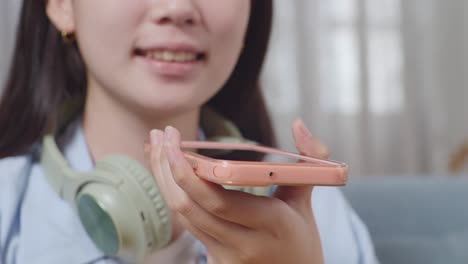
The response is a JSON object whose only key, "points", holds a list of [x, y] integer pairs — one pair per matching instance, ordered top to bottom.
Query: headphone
{"points": [[118, 202]]}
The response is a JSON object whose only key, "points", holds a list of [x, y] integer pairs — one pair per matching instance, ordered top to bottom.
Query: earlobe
{"points": [[60, 13]]}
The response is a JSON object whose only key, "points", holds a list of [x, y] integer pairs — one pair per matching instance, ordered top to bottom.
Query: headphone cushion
{"points": [[135, 174]]}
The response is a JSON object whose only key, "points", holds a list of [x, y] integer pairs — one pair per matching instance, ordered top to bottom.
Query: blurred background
{"points": [[382, 82]]}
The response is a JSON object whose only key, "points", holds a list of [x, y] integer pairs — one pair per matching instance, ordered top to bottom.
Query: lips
{"points": [[171, 60]]}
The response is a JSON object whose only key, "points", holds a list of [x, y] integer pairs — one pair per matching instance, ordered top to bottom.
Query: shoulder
{"points": [[12, 164], [11, 180], [11, 185], [30, 208], [345, 238]]}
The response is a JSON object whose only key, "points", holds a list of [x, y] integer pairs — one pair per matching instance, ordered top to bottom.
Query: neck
{"points": [[110, 128]]}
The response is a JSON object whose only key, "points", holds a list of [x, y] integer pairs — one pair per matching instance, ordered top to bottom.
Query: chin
{"points": [[178, 97], [168, 106]]}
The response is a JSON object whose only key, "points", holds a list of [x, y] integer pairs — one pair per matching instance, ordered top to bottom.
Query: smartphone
{"points": [[306, 171]]}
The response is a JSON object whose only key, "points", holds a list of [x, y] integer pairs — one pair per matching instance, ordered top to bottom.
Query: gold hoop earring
{"points": [[68, 37]]}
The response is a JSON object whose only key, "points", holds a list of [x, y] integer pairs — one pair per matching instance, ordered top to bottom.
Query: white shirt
{"points": [[37, 226]]}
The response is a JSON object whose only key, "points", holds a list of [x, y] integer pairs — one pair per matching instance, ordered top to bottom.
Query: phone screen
{"points": [[244, 155]]}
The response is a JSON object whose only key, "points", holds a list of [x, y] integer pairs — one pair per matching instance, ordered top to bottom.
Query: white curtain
{"points": [[8, 16], [382, 82]]}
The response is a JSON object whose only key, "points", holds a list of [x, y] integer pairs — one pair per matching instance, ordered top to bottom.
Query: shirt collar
{"points": [[213, 127], [183, 250]]}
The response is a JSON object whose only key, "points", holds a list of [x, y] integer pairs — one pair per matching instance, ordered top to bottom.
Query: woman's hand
{"points": [[238, 227]]}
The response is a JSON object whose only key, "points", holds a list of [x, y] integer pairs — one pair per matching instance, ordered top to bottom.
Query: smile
{"points": [[170, 55]]}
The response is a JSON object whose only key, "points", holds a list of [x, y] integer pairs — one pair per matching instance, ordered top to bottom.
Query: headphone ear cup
{"points": [[100, 210], [126, 216]]}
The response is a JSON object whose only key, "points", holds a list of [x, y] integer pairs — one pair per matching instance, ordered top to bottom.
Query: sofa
{"points": [[414, 219]]}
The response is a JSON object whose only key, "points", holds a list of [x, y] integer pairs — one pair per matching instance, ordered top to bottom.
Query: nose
{"points": [[177, 12]]}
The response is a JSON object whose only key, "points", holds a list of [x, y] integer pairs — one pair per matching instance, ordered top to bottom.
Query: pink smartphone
{"points": [[310, 171]]}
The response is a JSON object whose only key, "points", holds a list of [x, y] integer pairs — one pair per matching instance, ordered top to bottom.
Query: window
{"points": [[361, 56]]}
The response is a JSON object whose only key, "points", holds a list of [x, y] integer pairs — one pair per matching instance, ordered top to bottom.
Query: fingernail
{"points": [[303, 128], [168, 132], [171, 135]]}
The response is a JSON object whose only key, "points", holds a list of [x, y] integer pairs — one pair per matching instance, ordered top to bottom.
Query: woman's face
{"points": [[159, 55]]}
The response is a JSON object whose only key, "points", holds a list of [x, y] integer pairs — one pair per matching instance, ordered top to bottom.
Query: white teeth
{"points": [[168, 56], [177, 56]]}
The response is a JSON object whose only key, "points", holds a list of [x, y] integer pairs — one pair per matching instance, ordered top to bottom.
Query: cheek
{"points": [[94, 18], [227, 20], [227, 23], [105, 30]]}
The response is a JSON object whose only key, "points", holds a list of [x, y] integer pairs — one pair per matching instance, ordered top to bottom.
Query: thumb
{"points": [[306, 143], [298, 197]]}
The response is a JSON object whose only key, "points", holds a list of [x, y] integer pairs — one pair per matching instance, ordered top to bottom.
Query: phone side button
{"points": [[222, 172]]}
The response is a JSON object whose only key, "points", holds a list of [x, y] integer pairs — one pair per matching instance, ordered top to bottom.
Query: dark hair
{"points": [[45, 73]]}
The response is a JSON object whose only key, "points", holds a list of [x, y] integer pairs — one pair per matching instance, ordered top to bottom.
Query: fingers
{"points": [[306, 143], [154, 153], [155, 156], [161, 170], [299, 197], [232, 206], [201, 220], [209, 227], [220, 229], [207, 240]]}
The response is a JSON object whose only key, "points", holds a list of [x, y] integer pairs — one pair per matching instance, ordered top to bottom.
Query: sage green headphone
{"points": [[118, 202]]}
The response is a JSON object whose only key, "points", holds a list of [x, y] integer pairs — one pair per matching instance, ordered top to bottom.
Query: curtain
{"points": [[8, 16], [382, 82]]}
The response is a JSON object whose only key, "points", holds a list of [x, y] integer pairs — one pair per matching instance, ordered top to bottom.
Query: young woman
{"points": [[99, 76]]}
